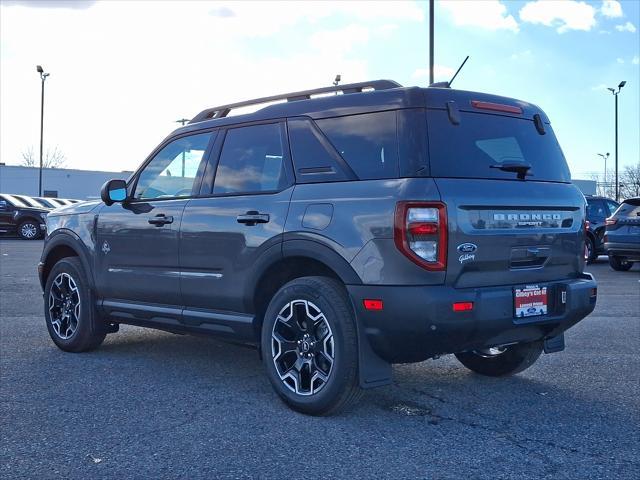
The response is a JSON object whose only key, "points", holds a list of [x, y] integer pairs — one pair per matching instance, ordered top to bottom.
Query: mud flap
{"points": [[554, 344], [372, 370]]}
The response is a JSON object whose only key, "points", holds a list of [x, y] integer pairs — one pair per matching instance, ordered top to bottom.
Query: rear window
{"points": [[367, 142], [468, 150], [629, 208]]}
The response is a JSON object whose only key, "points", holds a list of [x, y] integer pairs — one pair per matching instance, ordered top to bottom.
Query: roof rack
{"points": [[223, 111]]}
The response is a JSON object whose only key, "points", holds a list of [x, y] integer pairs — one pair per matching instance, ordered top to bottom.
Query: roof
{"points": [[350, 99]]}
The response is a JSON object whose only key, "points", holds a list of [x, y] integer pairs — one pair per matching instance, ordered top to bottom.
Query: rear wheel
{"points": [[29, 229], [589, 250], [620, 263], [69, 309], [309, 346], [501, 361]]}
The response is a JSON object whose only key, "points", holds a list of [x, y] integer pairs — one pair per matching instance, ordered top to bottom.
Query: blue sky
{"points": [[122, 72]]}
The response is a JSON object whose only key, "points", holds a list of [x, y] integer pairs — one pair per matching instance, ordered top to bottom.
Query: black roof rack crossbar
{"points": [[223, 111]]}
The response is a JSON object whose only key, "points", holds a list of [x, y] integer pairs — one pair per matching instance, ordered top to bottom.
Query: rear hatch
{"points": [[514, 218], [624, 224]]}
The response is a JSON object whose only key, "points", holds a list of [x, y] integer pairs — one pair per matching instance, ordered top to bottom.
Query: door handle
{"points": [[252, 218], [160, 220]]}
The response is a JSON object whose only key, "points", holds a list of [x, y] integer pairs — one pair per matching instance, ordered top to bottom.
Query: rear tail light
{"points": [[496, 107], [610, 221], [587, 225], [420, 233]]}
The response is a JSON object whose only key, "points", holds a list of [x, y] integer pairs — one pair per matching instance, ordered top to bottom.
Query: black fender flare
{"points": [[68, 238]]}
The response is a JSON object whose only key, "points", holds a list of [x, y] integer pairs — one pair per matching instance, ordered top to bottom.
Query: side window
{"points": [[367, 142], [314, 157], [251, 160], [172, 172], [596, 209]]}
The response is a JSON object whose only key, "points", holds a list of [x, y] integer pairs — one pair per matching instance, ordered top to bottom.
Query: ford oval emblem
{"points": [[467, 247]]}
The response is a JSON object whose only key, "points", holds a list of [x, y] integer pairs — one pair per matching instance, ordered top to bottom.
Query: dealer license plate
{"points": [[530, 301]]}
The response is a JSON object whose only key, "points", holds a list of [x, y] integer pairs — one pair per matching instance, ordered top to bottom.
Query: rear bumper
{"points": [[630, 250], [417, 323]]}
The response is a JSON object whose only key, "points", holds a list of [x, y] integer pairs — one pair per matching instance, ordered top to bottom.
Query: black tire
{"points": [[29, 229], [590, 250], [620, 263], [329, 298], [89, 329], [514, 359]]}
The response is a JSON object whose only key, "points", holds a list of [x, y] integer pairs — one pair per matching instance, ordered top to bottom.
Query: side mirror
{"points": [[114, 191]]}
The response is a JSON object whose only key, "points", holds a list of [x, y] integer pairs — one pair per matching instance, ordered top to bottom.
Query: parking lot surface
{"points": [[149, 404]]}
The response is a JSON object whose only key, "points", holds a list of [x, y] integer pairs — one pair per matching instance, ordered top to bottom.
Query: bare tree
{"points": [[52, 158], [630, 181]]}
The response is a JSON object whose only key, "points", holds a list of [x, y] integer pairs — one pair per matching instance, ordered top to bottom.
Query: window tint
{"points": [[368, 143], [469, 149], [314, 157], [251, 160], [172, 172], [596, 209]]}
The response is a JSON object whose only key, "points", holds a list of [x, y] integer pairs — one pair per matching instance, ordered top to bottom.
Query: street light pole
{"points": [[431, 61], [43, 77], [615, 94], [604, 180]]}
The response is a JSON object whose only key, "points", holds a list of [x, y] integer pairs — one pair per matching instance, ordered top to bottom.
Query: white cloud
{"points": [[611, 9], [485, 14], [565, 15], [627, 27], [526, 54], [620, 60], [635, 60], [115, 64], [440, 73]]}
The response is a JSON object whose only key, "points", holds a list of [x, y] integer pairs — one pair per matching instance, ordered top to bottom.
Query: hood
{"points": [[75, 208]]}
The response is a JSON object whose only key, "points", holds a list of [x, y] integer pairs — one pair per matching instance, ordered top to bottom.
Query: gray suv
{"points": [[339, 230]]}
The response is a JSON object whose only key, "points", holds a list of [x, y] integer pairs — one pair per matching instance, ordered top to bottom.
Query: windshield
{"points": [[482, 141], [15, 201], [28, 201], [46, 203]]}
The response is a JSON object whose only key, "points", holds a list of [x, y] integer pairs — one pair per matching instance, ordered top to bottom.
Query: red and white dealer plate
{"points": [[530, 301]]}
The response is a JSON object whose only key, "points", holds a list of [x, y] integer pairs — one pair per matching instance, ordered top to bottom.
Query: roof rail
{"points": [[223, 111]]}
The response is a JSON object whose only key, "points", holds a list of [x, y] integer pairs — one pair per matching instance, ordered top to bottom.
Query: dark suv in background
{"points": [[598, 210], [16, 216], [340, 231], [622, 237]]}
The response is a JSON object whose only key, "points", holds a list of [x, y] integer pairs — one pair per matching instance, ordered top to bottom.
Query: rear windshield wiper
{"points": [[521, 168]]}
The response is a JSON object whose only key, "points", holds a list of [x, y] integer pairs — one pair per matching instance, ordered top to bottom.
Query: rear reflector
{"points": [[496, 107], [594, 292], [370, 304], [462, 306]]}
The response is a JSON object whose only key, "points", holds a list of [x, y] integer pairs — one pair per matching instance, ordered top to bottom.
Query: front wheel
{"points": [[589, 251], [619, 263], [69, 309], [310, 347], [501, 361]]}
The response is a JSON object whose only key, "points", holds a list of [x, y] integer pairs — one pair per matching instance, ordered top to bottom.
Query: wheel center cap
{"points": [[305, 346]]}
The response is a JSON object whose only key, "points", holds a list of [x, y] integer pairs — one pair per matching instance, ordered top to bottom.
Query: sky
{"points": [[122, 73]]}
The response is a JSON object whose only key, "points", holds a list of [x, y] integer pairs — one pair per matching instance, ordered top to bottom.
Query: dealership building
{"points": [[56, 182], [85, 184]]}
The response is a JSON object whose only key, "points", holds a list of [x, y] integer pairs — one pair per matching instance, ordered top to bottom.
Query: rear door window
{"points": [[480, 141], [367, 142], [252, 160]]}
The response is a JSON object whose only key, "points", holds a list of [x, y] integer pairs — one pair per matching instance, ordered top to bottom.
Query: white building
{"points": [[56, 182]]}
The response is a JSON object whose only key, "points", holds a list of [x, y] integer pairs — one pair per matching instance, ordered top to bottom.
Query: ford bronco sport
{"points": [[340, 230]]}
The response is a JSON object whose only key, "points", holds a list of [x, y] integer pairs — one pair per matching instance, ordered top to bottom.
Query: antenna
{"points": [[458, 71], [448, 84]]}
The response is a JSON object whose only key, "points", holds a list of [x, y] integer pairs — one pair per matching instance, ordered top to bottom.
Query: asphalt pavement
{"points": [[149, 404]]}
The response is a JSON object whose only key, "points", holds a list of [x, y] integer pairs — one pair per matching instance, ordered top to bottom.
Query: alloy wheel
{"points": [[28, 230], [64, 305], [302, 347]]}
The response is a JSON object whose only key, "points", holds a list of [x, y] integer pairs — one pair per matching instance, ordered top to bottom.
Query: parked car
{"points": [[32, 202], [47, 202], [598, 209], [16, 216], [339, 234], [622, 237]]}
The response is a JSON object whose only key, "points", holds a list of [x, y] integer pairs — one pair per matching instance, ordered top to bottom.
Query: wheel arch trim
{"points": [[66, 238]]}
